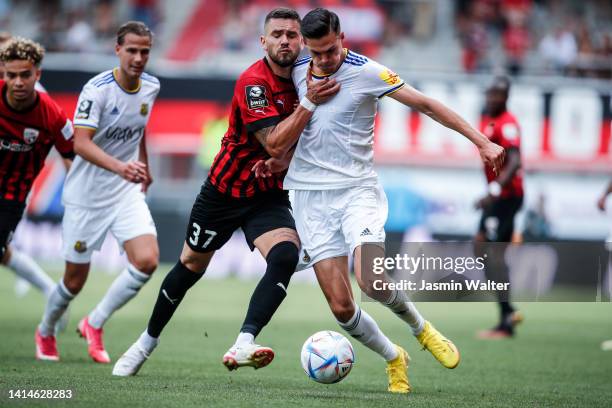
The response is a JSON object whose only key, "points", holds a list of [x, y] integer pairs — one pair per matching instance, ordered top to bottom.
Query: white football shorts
{"points": [[333, 223], [84, 229]]}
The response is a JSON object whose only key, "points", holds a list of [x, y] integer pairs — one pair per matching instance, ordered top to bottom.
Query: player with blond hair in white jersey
{"points": [[104, 190], [338, 204]]}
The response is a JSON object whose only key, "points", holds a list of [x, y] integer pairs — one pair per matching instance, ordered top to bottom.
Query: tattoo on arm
{"points": [[262, 135]]}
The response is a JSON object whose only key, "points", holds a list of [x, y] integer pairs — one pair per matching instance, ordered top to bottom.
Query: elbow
{"points": [[78, 147], [276, 152]]}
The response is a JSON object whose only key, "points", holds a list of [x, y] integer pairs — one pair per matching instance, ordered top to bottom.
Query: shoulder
{"points": [[355, 59], [302, 62], [255, 71], [100, 80], [150, 80], [49, 105], [54, 113], [510, 118]]}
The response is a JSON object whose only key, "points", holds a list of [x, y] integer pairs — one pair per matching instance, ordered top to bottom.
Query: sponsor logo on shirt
{"points": [[390, 77], [256, 97], [84, 109], [144, 109], [124, 134], [14, 146]]}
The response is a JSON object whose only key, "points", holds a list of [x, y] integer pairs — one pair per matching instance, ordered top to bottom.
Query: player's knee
{"points": [[5, 255], [284, 257], [146, 262], [74, 284], [343, 309]]}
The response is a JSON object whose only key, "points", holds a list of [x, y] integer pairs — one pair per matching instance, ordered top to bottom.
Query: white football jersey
{"points": [[119, 117], [335, 149]]}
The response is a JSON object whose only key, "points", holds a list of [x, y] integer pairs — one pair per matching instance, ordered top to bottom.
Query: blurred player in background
{"points": [[266, 120], [31, 123], [104, 190], [503, 200], [601, 204], [339, 206], [19, 262]]}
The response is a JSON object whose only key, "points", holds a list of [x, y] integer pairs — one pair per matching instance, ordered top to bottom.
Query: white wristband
{"points": [[307, 104], [495, 188]]}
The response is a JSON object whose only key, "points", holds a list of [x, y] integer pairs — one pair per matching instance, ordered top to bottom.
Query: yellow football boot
{"points": [[442, 348], [397, 370]]}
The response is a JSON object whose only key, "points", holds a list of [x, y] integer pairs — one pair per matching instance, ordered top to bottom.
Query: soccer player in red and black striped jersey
{"points": [[31, 123], [264, 123], [503, 201]]}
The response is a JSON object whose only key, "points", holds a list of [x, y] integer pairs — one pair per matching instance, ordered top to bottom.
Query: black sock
{"points": [[272, 288], [172, 290], [505, 308]]}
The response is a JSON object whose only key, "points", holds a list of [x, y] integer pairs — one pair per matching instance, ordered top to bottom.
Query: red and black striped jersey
{"points": [[261, 99], [505, 131], [26, 137]]}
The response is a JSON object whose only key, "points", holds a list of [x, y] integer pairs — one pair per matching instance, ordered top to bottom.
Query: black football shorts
{"points": [[215, 216]]}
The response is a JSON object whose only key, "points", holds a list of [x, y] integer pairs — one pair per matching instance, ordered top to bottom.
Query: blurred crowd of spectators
{"points": [[81, 25], [568, 37]]}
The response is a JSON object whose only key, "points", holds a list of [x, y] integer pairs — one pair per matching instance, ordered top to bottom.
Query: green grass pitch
{"points": [[555, 361]]}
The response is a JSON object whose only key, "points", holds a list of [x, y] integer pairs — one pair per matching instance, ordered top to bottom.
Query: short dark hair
{"points": [[282, 13], [320, 22], [133, 27], [500, 83]]}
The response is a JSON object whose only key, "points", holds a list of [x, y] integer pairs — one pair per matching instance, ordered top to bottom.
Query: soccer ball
{"points": [[327, 357]]}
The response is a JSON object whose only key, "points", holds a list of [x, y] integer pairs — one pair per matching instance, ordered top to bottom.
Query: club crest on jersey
{"points": [[390, 77], [256, 97], [84, 109], [144, 109], [30, 135], [80, 246]]}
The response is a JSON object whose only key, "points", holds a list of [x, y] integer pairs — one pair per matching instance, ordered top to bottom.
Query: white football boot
{"points": [[247, 355], [131, 361]]}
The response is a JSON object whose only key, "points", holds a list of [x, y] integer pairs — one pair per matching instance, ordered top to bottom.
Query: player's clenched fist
{"points": [[319, 92], [492, 155], [134, 171]]}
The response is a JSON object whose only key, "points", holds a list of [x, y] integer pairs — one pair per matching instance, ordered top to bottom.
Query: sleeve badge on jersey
{"points": [[390, 77], [256, 97], [84, 109], [144, 109], [68, 130], [30, 135]]}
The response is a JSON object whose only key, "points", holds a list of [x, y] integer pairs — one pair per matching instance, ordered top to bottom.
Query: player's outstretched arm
{"points": [[279, 139], [84, 146], [491, 153]]}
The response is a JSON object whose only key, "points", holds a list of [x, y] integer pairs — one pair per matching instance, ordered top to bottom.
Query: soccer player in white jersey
{"points": [[104, 190], [339, 205]]}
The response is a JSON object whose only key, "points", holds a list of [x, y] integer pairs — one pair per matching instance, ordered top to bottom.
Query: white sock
{"points": [[26, 268], [123, 289], [57, 303], [401, 305], [365, 330], [245, 338], [147, 343]]}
